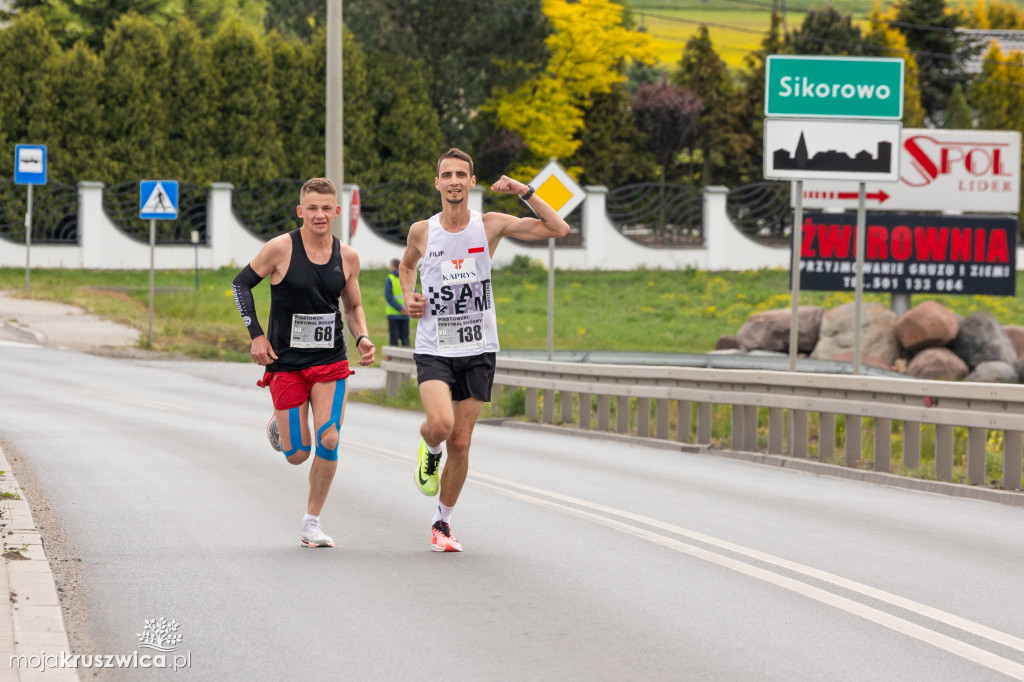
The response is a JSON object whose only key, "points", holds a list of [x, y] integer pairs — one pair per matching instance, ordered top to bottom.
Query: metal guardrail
{"points": [[789, 399]]}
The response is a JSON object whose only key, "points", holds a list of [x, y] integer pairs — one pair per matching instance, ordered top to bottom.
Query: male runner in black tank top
{"points": [[310, 270]]}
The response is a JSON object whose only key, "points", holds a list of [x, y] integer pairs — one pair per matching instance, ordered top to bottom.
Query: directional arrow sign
{"points": [[976, 171], [879, 197]]}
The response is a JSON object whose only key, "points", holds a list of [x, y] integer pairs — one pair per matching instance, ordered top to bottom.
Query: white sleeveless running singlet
{"points": [[455, 275]]}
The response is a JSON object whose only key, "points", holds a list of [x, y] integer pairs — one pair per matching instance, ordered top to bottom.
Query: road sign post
{"points": [[801, 90], [29, 169], [559, 191], [158, 200], [353, 213]]}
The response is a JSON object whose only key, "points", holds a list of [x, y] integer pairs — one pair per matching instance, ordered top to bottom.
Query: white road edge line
{"points": [[501, 485], [936, 639]]}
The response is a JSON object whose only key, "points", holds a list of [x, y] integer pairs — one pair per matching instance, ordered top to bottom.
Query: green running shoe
{"points": [[426, 472]]}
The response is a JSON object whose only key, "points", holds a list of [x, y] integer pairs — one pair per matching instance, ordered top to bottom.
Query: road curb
{"points": [[1007, 497], [34, 623]]}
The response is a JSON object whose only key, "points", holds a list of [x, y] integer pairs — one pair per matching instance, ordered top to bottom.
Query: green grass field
{"points": [[736, 27], [683, 311]]}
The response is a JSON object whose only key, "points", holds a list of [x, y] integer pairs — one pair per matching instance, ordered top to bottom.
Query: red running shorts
{"points": [[291, 389]]}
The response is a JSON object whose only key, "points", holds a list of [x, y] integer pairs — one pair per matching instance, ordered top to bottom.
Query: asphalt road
{"points": [[583, 559]]}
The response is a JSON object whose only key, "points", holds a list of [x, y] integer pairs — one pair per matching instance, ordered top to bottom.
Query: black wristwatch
{"points": [[529, 193], [360, 338]]}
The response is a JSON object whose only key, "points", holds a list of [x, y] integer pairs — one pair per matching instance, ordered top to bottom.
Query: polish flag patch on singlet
{"points": [[476, 248]]}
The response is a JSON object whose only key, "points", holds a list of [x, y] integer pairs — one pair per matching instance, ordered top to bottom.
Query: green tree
{"points": [[296, 19], [61, 20], [826, 32], [891, 43], [467, 50], [940, 52], [587, 53], [28, 58], [133, 89], [998, 91], [191, 94], [750, 103], [958, 112], [302, 122], [409, 137], [721, 137], [248, 142], [79, 149], [611, 153], [362, 160]]}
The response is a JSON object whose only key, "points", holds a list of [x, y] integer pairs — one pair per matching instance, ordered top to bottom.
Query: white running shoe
{"points": [[273, 435], [313, 535]]}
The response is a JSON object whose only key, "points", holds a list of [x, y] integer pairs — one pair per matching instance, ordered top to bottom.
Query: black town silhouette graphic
{"points": [[832, 160]]}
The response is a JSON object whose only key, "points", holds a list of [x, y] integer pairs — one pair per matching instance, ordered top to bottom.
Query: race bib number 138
{"points": [[461, 332]]}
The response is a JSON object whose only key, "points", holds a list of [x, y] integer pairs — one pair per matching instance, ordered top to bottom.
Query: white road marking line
{"points": [[937, 639]]}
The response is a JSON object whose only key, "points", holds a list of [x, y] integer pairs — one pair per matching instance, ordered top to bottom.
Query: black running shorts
{"points": [[470, 376]]}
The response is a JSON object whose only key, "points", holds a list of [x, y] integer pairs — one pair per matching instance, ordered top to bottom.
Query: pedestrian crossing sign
{"points": [[557, 188], [158, 199]]}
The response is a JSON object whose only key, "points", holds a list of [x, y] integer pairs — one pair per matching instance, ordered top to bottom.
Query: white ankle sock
{"points": [[434, 450], [443, 513], [309, 517]]}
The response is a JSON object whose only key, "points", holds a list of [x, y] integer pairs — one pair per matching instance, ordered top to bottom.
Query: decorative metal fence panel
{"points": [[121, 204], [389, 209], [268, 210], [761, 211], [54, 212], [658, 215]]}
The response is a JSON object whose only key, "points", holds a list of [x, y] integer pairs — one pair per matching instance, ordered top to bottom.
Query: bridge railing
{"points": [[661, 402]]}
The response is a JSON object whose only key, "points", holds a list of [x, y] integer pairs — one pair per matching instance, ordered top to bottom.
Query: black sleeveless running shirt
{"points": [[311, 292]]}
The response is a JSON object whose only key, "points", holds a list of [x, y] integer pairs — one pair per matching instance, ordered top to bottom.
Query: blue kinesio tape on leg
{"points": [[339, 402], [295, 433]]}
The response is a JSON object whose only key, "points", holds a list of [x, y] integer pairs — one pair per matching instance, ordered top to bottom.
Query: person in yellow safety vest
{"points": [[398, 314]]}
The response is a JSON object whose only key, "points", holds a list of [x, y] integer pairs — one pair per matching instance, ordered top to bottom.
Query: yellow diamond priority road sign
{"points": [[557, 189]]}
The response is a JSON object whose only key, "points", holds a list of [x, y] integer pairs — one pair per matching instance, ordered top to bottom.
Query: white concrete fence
{"points": [[103, 245]]}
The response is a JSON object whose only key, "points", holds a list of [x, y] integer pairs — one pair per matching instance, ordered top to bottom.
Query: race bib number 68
{"points": [[313, 331]]}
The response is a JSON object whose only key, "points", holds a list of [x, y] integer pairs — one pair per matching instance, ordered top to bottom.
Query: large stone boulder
{"points": [[925, 325], [769, 329], [878, 333], [1016, 335], [981, 339], [728, 342], [937, 363], [995, 371]]}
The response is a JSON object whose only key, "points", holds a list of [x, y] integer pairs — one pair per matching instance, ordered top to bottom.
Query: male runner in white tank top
{"points": [[457, 333]]}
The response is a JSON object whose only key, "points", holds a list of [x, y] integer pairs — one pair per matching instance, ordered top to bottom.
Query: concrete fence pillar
{"points": [[476, 199], [219, 222], [716, 222], [90, 223], [595, 225]]}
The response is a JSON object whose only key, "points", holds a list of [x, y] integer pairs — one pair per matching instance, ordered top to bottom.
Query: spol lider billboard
{"points": [[911, 254]]}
